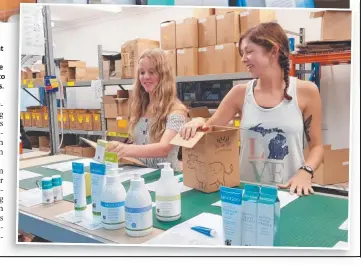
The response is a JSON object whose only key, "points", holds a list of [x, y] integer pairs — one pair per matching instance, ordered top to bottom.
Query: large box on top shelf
{"points": [[203, 12], [253, 17], [336, 25], [227, 28], [207, 31], [187, 33], [168, 35], [131, 51], [187, 62], [112, 66], [71, 70], [210, 159]]}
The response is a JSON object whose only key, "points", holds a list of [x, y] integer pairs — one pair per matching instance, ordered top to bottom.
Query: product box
{"points": [[221, 11], [203, 12], [253, 17], [336, 25], [227, 28], [207, 31], [187, 33], [168, 35], [131, 51], [171, 55], [225, 58], [206, 60], [187, 62], [112, 66], [240, 66], [71, 70], [92, 73], [114, 107], [65, 117], [45, 118], [27, 119], [72, 119], [80, 120], [96, 120], [88, 121], [117, 125], [44, 144], [80, 151], [210, 159], [334, 168], [249, 214], [268, 217]]}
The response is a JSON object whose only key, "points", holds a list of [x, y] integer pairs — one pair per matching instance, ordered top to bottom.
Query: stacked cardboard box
{"points": [[131, 51], [112, 66], [72, 70], [116, 113], [79, 150]]}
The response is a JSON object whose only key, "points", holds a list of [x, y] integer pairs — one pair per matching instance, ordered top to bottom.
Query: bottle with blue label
{"points": [[113, 201], [138, 209]]}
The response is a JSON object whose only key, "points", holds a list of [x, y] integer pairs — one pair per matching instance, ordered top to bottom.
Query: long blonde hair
{"points": [[165, 95]]}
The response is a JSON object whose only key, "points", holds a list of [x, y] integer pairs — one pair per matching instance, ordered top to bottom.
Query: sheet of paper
{"points": [[96, 86], [67, 166], [24, 174], [152, 186], [33, 197], [284, 197], [86, 221], [344, 226], [182, 234], [341, 245]]}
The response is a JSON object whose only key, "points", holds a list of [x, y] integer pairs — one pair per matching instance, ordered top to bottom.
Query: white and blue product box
{"points": [[249, 215], [268, 219]]}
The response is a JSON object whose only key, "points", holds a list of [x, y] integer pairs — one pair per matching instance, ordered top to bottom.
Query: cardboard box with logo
{"points": [[253, 17], [336, 25], [227, 28], [207, 31], [187, 33], [168, 35], [131, 52], [187, 62], [65, 117], [72, 119], [96, 120], [118, 125], [210, 159], [334, 168]]}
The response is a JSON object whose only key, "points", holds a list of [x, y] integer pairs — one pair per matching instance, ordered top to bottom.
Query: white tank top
{"points": [[271, 139]]}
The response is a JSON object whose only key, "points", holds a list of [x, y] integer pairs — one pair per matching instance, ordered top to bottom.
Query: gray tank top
{"points": [[271, 139]]}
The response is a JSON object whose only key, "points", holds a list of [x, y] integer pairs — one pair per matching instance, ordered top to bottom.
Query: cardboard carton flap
{"points": [[317, 14], [109, 99], [199, 112], [179, 141]]}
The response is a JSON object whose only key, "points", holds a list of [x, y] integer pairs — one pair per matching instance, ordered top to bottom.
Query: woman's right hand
{"points": [[189, 130]]}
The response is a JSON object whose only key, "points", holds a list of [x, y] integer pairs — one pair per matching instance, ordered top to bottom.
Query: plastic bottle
{"points": [[57, 187], [47, 190], [168, 195], [112, 201], [138, 208]]}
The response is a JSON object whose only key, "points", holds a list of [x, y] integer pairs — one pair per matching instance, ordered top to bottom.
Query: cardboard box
{"points": [[221, 11], [203, 12], [253, 17], [336, 25], [227, 28], [207, 31], [187, 33], [168, 35], [131, 51], [171, 55], [217, 59], [206, 60], [187, 62], [112, 66], [240, 66], [71, 70], [92, 73], [77, 74], [114, 107], [199, 112], [22, 114], [65, 117], [27, 119], [72, 119], [96, 119], [80, 121], [88, 121], [118, 125], [34, 140], [44, 141], [80, 151], [210, 159], [334, 168], [249, 214]]}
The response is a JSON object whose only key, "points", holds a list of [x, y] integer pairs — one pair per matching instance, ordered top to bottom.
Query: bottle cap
{"points": [[167, 170], [137, 181]]}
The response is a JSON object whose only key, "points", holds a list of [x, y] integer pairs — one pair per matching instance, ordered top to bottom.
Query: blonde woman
{"points": [[156, 115]]}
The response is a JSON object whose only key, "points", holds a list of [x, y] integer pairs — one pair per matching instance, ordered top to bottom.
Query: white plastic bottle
{"points": [[57, 187], [47, 190], [168, 195], [112, 201], [138, 208]]}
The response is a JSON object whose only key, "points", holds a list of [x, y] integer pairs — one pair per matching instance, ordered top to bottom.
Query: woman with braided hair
{"points": [[276, 112]]}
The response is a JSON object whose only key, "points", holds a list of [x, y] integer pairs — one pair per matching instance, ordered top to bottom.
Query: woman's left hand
{"points": [[117, 147], [300, 183]]}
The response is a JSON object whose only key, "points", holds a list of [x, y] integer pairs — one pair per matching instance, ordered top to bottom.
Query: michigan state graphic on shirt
{"points": [[268, 149]]}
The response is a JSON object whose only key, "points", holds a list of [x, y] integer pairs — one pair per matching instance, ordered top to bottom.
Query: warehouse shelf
{"points": [[179, 79], [38, 129]]}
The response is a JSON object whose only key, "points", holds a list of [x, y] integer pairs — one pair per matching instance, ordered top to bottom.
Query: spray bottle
{"points": [[168, 195], [138, 208]]}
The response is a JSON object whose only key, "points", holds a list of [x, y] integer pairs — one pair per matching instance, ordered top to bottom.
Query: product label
{"points": [[220, 17], [202, 20], [219, 47], [202, 49], [180, 51], [111, 160], [77, 168], [98, 172], [57, 182], [46, 185], [58, 193], [47, 196], [80, 200], [168, 207], [113, 213], [139, 219]]}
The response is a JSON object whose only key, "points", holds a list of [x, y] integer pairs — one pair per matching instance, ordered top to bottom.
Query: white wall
{"points": [[81, 43]]}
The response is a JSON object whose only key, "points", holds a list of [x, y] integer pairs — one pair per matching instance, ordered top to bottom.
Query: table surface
{"points": [[30, 154], [41, 214]]}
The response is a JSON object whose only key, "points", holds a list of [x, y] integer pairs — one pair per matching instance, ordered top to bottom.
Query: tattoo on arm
{"points": [[307, 123]]}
